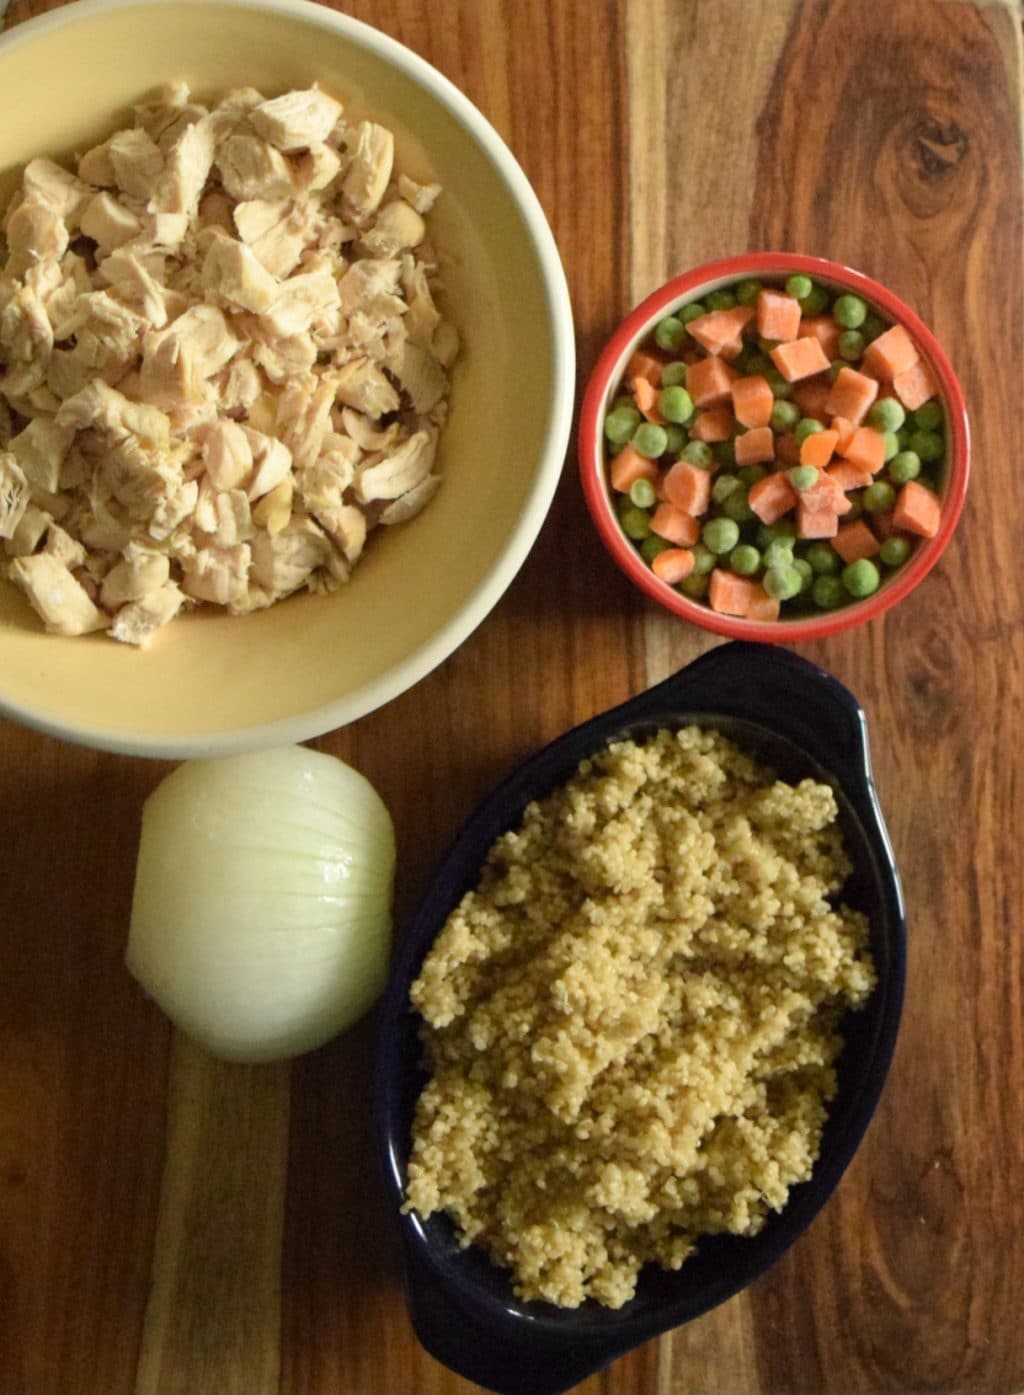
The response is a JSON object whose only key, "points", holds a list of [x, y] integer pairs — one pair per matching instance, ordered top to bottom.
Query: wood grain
{"points": [[171, 1225]]}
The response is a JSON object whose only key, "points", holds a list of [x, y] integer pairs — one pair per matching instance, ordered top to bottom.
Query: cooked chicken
{"points": [[296, 120], [369, 171], [234, 377], [58, 599]]}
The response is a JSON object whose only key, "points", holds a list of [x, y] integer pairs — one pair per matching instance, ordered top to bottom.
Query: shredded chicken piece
{"points": [[235, 376]]}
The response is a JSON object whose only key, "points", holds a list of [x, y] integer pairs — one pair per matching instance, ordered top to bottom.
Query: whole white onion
{"points": [[261, 919]]}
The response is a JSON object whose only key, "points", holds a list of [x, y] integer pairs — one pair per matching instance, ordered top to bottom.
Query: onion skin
{"points": [[261, 918]]}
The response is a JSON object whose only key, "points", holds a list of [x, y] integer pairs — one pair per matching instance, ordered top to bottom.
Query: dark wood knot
{"points": [[939, 146]]}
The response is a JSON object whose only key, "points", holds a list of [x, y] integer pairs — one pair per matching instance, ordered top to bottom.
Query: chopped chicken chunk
{"points": [[233, 378], [58, 599]]}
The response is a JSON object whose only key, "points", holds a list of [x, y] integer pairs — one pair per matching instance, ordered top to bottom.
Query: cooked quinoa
{"points": [[631, 1024]]}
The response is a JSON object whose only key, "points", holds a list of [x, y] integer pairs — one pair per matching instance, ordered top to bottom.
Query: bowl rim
{"points": [[606, 373], [507, 562]]}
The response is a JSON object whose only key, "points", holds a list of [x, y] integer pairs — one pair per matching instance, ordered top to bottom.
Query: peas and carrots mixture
{"points": [[776, 449]]}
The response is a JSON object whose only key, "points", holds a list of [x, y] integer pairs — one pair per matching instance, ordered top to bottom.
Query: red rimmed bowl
{"points": [[604, 385]]}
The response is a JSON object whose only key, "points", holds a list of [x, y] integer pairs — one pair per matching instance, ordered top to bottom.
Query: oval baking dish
{"points": [[801, 721]]}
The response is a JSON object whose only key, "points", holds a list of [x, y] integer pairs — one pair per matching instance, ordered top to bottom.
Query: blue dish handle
{"points": [[514, 1361]]}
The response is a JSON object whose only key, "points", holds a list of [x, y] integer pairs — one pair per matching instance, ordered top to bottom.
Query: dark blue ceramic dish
{"points": [[801, 721]]}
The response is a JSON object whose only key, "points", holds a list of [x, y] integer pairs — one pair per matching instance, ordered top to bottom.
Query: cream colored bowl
{"points": [[210, 684]]}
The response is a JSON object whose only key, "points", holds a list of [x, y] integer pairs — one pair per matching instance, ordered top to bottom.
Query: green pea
{"points": [[799, 287], [748, 291], [721, 300], [814, 303], [850, 311], [691, 312], [872, 327], [670, 333], [851, 345], [759, 365], [835, 368], [674, 374], [781, 390], [624, 400], [675, 404], [886, 415], [785, 416], [929, 416], [620, 423], [806, 426], [676, 437], [650, 440], [927, 444], [892, 446], [697, 453], [724, 453], [904, 466], [752, 474], [803, 476], [723, 487], [641, 493], [878, 497], [623, 504], [737, 506], [856, 508], [636, 524], [771, 532], [720, 535], [651, 547], [894, 551], [779, 552], [744, 559], [823, 559], [704, 560], [806, 574], [861, 578], [783, 582], [694, 587], [828, 592]]}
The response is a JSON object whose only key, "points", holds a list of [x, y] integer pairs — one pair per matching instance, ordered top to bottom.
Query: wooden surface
{"points": [[174, 1226]]}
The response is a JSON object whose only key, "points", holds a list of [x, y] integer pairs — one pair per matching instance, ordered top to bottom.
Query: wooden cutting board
{"points": [[173, 1226]]}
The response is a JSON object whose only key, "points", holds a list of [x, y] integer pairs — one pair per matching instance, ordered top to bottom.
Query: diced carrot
{"points": [[778, 316], [721, 330], [825, 330], [891, 353], [800, 359], [646, 366], [709, 382], [915, 385], [810, 396], [851, 396], [647, 399], [752, 401], [714, 424], [845, 428], [755, 447], [787, 449], [817, 449], [866, 449], [628, 467], [848, 476], [689, 488], [825, 496], [771, 497], [917, 510], [821, 524], [674, 526], [884, 526], [854, 541], [673, 565], [729, 594], [761, 606]]}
